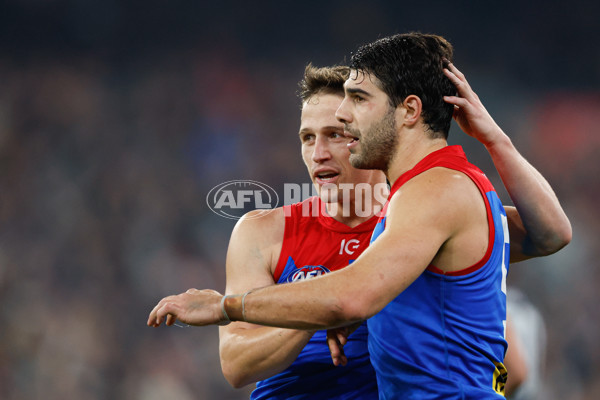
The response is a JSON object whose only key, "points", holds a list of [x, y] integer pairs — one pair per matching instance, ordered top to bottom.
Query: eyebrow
{"points": [[357, 91], [328, 128]]}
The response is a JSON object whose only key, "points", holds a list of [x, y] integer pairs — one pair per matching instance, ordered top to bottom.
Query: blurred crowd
{"points": [[104, 170], [103, 181]]}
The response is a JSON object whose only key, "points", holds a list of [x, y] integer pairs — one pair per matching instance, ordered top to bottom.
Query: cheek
{"points": [[342, 154], [306, 157]]}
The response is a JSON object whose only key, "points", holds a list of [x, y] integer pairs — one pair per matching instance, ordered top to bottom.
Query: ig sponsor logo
{"points": [[233, 199], [349, 247]]}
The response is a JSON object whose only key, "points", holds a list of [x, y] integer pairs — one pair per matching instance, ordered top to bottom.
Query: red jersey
{"points": [[315, 244]]}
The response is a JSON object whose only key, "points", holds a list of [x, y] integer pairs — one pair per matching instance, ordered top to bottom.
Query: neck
{"points": [[408, 155]]}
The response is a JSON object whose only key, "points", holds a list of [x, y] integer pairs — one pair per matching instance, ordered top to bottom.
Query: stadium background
{"points": [[117, 117]]}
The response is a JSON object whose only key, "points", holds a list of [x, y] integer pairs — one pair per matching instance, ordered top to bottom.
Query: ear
{"points": [[413, 107]]}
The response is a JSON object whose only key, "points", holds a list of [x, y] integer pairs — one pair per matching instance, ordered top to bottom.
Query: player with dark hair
{"points": [[432, 283]]}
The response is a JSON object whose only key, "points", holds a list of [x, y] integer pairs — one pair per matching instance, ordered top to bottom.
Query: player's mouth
{"points": [[354, 138], [323, 177]]}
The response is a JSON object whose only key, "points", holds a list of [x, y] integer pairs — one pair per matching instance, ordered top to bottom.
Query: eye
{"points": [[358, 99], [307, 137]]}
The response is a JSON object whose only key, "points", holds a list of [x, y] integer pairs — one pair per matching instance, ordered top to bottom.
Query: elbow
{"points": [[566, 233], [564, 237], [556, 240], [352, 309], [233, 370], [233, 375], [236, 382]]}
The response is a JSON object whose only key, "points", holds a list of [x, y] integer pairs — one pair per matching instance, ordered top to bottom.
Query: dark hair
{"points": [[412, 63], [324, 80]]}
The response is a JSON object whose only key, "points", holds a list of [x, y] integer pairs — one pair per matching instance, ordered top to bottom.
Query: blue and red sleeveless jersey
{"points": [[316, 244], [443, 337]]}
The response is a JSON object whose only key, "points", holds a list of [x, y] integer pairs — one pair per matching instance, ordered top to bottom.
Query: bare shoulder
{"points": [[441, 185], [440, 197], [446, 206], [262, 226], [255, 244]]}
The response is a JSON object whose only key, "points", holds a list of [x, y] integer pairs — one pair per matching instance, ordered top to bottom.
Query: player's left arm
{"points": [[421, 218], [538, 225]]}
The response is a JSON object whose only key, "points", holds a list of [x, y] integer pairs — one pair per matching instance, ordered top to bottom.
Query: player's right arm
{"points": [[249, 352]]}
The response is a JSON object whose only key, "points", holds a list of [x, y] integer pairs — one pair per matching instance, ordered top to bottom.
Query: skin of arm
{"points": [[426, 219], [538, 226], [391, 263], [249, 352], [514, 361]]}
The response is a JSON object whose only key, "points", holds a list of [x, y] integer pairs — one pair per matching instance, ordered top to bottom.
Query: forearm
{"points": [[547, 227], [357, 292], [342, 297], [319, 303], [250, 355]]}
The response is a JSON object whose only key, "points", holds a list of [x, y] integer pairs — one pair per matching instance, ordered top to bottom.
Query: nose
{"points": [[342, 113], [321, 150]]}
